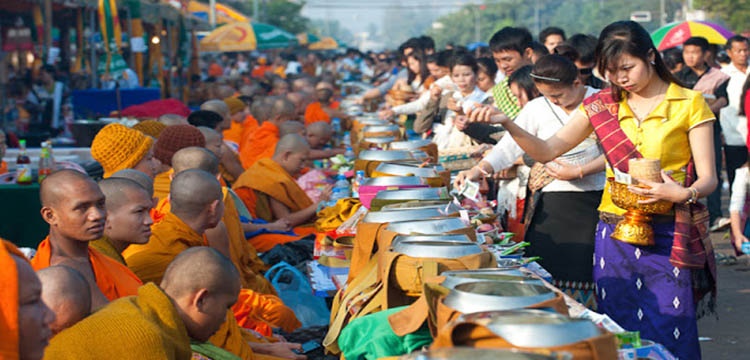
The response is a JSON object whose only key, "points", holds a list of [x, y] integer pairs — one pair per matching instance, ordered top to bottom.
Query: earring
{"points": [[652, 62]]}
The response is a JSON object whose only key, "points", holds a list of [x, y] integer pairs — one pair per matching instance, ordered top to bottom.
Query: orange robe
{"points": [[215, 70], [314, 112], [234, 133], [260, 145], [3, 167], [264, 180], [161, 184], [169, 238], [104, 246], [115, 280], [9, 332]]}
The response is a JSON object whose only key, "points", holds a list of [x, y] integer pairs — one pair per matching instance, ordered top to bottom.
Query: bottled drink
{"points": [[336, 125], [347, 139], [349, 154], [46, 163], [23, 165], [359, 178], [342, 185], [336, 195]]}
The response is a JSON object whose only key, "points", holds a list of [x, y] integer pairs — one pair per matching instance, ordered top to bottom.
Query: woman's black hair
{"points": [[628, 38], [672, 57], [464, 59], [488, 66], [554, 70], [423, 72], [522, 78], [205, 118]]}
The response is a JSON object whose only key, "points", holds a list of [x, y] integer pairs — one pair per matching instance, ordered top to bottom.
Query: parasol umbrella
{"points": [[224, 14], [675, 34], [230, 37], [272, 37], [306, 38], [326, 43], [473, 46]]}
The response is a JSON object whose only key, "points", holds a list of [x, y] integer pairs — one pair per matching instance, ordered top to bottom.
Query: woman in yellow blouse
{"points": [[650, 289]]}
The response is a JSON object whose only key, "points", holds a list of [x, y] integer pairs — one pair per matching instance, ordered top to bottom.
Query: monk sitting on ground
{"points": [[325, 108], [237, 112], [172, 119], [318, 135], [264, 139], [171, 140], [117, 147], [231, 167], [139, 177], [269, 188], [74, 207], [128, 217], [67, 294], [24, 318], [160, 322]]}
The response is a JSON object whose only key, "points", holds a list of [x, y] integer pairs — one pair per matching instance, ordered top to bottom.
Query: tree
{"points": [[734, 13], [284, 14]]}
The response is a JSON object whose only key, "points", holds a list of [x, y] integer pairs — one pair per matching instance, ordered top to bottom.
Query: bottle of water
{"points": [[336, 124], [347, 139], [349, 154], [357, 182], [342, 185], [336, 195]]}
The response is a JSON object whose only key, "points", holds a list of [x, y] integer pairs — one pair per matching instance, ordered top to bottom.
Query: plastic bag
{"points": [[295, 290]]}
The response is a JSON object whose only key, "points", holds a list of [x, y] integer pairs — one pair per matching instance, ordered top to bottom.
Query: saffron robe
{"points": [[261, 144], [104, 246], [9, 332]]}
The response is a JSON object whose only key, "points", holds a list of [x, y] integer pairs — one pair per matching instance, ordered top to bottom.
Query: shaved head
{"points": [[217, 106], [261, 108], [282, 110], [173, 119], [291, 127], [318, 134], [214, 140], [293, 143], [291, 153], [194, 157], [138, 176], [54, 186], [193, 191], [117, 192], [203, 284], [66, 292]]}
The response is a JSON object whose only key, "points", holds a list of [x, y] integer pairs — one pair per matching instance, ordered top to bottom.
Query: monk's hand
{"points": [[461, 122], [563, 171], [669, 190], [325, 194], [279, 225], [285, 350]]}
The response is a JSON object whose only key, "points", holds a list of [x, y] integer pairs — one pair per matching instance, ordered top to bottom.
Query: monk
{"points": [[221, 108], [325, 108], [238, 110], [172, 119], [318, 135], [172, 139], [264, 139], [3, 147], [118, 147], [230, 166], [138, 176], [269, 187], [74, 207], [129, 220], [228, 238], [67, 294], [24, 318], [160, 321]]}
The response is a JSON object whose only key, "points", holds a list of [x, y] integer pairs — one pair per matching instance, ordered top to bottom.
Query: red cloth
{"points": [[156, 108]]}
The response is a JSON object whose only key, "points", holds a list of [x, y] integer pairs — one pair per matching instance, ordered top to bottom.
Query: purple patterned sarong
{"points": [[642, 291]]}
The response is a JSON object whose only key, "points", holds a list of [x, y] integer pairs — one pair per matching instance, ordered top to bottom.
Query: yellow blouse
{"points": [[663, 134]]}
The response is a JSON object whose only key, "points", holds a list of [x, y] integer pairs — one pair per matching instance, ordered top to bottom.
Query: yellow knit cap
{"points": [[235, 105], [151, 128], [118, 147]]}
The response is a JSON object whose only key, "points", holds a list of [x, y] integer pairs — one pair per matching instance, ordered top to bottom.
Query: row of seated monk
{"points": [[124, 274]]}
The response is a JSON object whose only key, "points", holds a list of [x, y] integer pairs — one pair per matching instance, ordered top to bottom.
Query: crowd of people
{"points": [[164, 251]]}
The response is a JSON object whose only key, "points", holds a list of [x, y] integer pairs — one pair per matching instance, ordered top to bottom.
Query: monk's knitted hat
{"points": [[235, 105], [151, 128], [175, 138], [118, 147]]}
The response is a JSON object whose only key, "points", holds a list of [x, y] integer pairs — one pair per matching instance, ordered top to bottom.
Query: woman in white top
{"points": [[568, 189], [737, 207]]}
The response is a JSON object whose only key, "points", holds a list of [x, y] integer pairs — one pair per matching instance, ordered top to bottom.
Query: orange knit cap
{"points": [[235, 105], [151, 128], [118, 147], [9, 347]]}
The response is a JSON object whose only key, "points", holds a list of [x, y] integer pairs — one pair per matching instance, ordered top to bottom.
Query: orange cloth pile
{"points": [[314, 112], [261, 144], [113, 279]]}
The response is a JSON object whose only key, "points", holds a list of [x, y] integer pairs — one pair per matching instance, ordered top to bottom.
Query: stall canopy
{"points": [[224, 14], [230, 37], [271, 37], [307, 38], [326, 43]]}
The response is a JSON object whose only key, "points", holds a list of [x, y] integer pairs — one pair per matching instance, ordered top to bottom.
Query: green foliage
{"points": [[733, 13], [284, 14]]}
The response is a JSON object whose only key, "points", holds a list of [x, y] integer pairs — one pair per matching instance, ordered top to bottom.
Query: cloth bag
{"points": [[295, 290]]}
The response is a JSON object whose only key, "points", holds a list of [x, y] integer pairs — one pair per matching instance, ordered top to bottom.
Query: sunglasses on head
{"points": [[585, 71]]}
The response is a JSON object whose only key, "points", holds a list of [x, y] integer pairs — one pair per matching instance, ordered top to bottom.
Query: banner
{"points": [[109, 24]]}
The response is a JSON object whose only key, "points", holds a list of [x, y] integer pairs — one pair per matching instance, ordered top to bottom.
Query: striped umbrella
{"points": [[675, 34]]}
